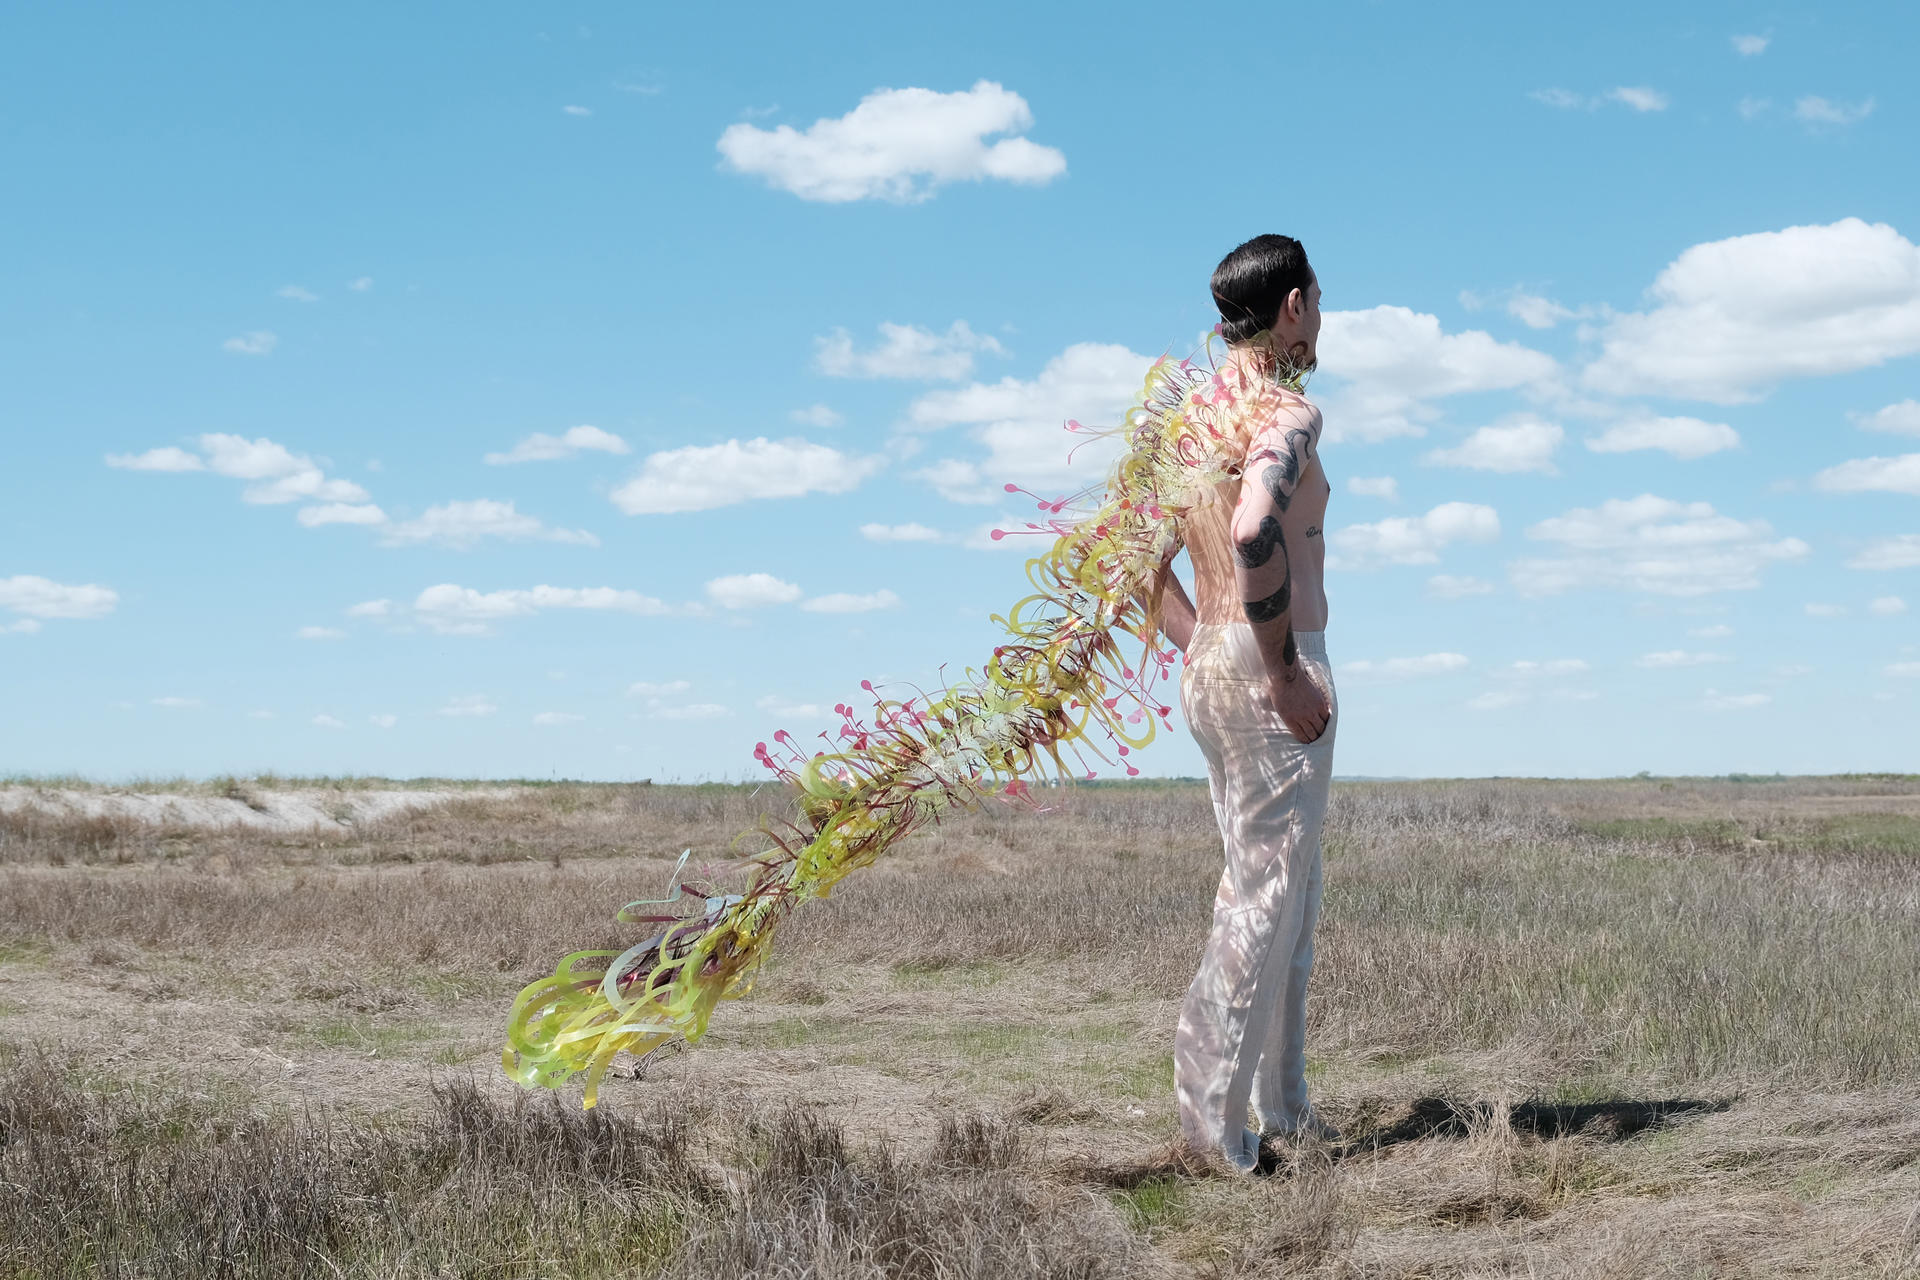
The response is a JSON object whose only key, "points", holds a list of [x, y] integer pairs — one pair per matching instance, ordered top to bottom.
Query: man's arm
{"points": [[1275, 463]]}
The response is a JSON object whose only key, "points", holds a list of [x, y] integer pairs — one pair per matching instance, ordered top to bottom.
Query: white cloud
{"points": [[1751, 46], [1638, 97], [1751, 108], [573, 110], [1816, 110], [898, 145], [360, 284], [296, 293], [1537, 312], [1733, 317], [260, 342], [905, 351], [1388, 363], [817, 415], [1902, 419], [1020, 422], [1681, 437], [1523, 444], [541, 447], [167, 458], [275, 473], [1861, 475], [702, 477], [1383, 487], [340, 513], [463, 524], [900, 533], [1412, 539], [1654, 545], [1901, 551], [1447, 586], [751, 591], [38, 597], [847, 602], [1887, 606], [370, 609], [457, 610], [1814, 610], [20, 627], [1718, 631], [322, 633], [1667, 659], [1432, 664], [1529, 668], [1904, 670], [646, 689], [1495, 701], [1717, 701], [172, 703], [467, 706], [780, 707], [693, 711], [260, 715], [557, 717], [325, 721], [384, 721]]}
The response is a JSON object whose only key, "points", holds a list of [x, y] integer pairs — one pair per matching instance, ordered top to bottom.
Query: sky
{"points": [[590, 390]]}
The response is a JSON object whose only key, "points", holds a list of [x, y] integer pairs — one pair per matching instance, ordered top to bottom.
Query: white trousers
{"points": [[1242, 1034]]}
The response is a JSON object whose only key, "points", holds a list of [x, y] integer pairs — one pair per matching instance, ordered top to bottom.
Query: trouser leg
{"points": [[1280, 1083]]}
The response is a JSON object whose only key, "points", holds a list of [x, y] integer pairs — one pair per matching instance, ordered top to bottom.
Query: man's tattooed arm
{"points": [[1272, 474]]}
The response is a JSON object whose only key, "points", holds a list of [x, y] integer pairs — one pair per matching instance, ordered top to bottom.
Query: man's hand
{"points": [[1302, 704]]}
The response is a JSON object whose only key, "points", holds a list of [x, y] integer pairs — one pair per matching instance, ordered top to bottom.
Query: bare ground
{"points": [[1659, 1027]]}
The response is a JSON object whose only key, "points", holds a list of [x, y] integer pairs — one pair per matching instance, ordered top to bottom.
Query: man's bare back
{"points": [[1210, 545]]}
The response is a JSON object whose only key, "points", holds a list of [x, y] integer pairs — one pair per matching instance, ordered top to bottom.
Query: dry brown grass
{"points": [[1648, 1027]]}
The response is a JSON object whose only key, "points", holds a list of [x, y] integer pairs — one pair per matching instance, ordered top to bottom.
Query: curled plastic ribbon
{"points": [[1055, 690]]}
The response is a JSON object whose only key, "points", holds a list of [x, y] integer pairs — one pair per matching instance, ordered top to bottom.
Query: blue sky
{"points": [[1620, 369]]}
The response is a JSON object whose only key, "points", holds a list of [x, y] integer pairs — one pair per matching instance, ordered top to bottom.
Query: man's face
{"points": [[1310, 322], [1299, 325]]}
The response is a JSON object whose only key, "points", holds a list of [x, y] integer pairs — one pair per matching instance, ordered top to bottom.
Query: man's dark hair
{"points": [[1252, 283]]}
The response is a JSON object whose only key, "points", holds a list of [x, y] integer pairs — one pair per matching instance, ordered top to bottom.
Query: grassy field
{"points": [[1637, 1028]]}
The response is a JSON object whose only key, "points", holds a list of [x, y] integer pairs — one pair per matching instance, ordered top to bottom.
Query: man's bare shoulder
{"points": [[1291, 426]]}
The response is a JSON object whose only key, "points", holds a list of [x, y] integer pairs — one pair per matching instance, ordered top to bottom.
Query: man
{"points": [[1258, 696]]}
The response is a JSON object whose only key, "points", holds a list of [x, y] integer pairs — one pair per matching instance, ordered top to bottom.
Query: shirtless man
{"points": [[1258, 696]]}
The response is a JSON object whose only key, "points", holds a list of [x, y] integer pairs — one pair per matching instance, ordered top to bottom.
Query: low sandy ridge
{"points": [[258, 808]]}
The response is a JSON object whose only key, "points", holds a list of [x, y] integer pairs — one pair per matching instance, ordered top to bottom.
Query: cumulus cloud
{"points": [[1751, 46], [1635, 97], [575, 110], [1815, 110], [898, 145], [360, 284], [295, 293], [1537, 312], [1733, 317], [260, 342], [904, 351], [1388, 364], [816, 415], [1902, 419], [1019, 423], [1681, 437], [1523, 444], [541, 447], [167, 458], [275, 474], [1863, 475], [703, 477], [1383, 487], [340, 513], [465, 524], [909, 532], [1412, 539], [1654, 545], [1901, 551], [1447, 586], [751, 591], [35, 597], [848, 602], [1886, 606], [370, 609], [455, 610], [1818, 610], [321, 633], [1668, 659], [1432, 664], [1529, 668], [1904, 670], [647, 689], [1495, 700], [1717, 701], [175, 703], [467, 706], [786, 709], [557, 717], [384, 720], [324, 721]]}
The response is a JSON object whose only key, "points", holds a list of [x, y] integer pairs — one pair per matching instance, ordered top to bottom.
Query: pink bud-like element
{"points": [[1013, 488], [998, 534], [867, 685], [1123, 751]]}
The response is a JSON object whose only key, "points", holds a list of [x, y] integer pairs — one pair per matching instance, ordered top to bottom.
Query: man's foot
{"points": [[1311, 1128]]}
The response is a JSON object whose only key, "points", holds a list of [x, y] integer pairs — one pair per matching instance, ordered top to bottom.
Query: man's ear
{"points": [[1296, 305]]}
